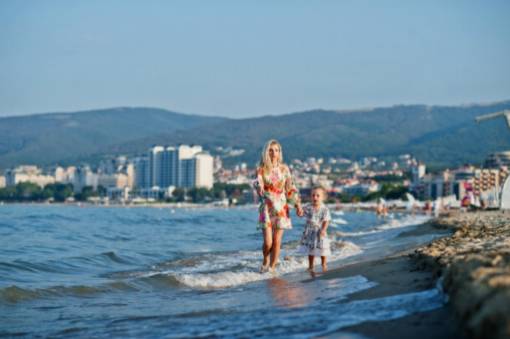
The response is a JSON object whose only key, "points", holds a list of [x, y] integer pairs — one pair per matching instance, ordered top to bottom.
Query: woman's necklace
{"points": [[274, 168], [274, 172]]}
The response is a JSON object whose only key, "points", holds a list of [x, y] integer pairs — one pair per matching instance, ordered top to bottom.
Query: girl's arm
{"points": [[325, 222], [324, 228]]}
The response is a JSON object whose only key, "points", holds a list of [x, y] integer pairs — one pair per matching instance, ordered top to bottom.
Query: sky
{"points": [[246, 58]]}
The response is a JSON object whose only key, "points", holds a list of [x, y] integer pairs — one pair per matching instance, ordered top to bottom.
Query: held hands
{"points": [[299, 211]]}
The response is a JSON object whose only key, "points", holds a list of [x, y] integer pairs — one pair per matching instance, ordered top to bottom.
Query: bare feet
{"points": [[324, 268]]}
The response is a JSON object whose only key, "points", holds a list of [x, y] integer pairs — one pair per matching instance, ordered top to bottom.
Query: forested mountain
{"points": [[440, 135]]}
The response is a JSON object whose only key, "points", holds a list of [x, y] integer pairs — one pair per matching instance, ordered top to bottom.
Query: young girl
{"points": [[314, 241]]}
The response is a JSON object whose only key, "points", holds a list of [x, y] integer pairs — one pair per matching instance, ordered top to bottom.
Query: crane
{"points": [[505, 113], [504, 201]]}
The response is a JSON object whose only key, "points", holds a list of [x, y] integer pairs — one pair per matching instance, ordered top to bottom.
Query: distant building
{"points": [[498, 160], [218, 164], [182, 166], [204, 169], [418, 172], [130, 173], [27, 174], [64, 175], [141, 175], [84, 177], [115, 180], [485, 180], [2, 181], [361, 189], [119, 194]]}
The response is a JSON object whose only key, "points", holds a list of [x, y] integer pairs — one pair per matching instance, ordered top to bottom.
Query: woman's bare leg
{"points": [[277, 242], [267, 245]]}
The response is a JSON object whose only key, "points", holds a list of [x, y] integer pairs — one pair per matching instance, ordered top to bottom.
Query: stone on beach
{"points": [[475, 265]]}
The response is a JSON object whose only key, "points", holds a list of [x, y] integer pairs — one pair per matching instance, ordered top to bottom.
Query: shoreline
{"points": [[361, 207], [472, 265], [475, 265], [397, 274]]}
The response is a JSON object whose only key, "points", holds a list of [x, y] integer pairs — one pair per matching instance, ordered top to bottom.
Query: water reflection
{"points": [[288, 294]]}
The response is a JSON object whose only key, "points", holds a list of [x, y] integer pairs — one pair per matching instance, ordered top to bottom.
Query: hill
{"points": [[438, 135], [46, 139]]}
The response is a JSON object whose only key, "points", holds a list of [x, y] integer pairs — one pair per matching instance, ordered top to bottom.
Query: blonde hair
{"points": [[265, 160], [324, 194]]}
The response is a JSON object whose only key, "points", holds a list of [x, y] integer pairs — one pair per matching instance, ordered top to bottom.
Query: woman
{"points": [[276, 190]]}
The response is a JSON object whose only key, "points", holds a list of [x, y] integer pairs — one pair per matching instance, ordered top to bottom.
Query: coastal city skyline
{"points": [[166, 170]]}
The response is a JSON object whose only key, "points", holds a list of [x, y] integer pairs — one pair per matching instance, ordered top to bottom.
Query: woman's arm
{"points": [[258, 184], [292, 193]]}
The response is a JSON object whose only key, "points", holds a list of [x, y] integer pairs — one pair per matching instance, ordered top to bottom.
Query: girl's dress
{"points": [[276, 191], [311, 241]]}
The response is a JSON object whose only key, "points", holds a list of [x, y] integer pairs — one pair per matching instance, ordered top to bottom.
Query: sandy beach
{"points": [[471, 264], [475, 265], [398, 274]]}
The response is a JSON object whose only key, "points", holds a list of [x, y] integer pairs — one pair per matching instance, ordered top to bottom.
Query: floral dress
{"points": [[276, 190], [311, 241]]}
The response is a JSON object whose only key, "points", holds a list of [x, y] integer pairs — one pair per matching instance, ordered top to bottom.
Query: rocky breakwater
{"points": [[475, 265]]}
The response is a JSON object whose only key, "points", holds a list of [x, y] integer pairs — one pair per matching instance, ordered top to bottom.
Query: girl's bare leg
{"points": [[267, 245], [275, 252], [310, 262], [324, 264]]}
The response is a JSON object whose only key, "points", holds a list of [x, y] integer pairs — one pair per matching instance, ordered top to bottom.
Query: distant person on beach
{"points": [[276, 190], [381, 209], [314, 241]]}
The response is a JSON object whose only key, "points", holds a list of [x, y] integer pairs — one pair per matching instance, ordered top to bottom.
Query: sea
{"points": [[145, 272]]}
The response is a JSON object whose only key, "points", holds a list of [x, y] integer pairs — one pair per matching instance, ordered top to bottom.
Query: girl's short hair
{"points": [[322, 189]]}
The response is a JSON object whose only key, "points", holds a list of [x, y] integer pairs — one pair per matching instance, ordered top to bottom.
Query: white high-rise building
{"points": [[155, 166], [181, 166], [204, 170], [418, 172], [130, 173], [84, 177]]}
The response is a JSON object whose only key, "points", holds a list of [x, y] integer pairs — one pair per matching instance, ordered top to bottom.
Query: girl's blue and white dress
{"points": [[311, 241]]}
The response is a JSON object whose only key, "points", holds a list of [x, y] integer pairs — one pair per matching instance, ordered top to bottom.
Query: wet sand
{"points": [[475, 265], [397, 274]]}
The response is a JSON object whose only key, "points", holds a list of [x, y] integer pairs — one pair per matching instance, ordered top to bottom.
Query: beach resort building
{"points": [[498, 160], [182, 166], [31, 174], [64, 175], [83, 177], [485, 179], [2, 181]]}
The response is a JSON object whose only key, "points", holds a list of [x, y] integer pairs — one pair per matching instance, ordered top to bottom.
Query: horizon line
{"points": [[351, 110]]}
